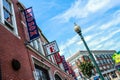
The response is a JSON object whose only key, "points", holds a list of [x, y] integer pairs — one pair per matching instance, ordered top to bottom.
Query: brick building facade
{"points": [[103, 59], [20, 60]]}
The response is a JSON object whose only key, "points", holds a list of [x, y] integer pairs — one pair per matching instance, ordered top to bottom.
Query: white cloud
{"points": [[95, 5], [73, 11], [77, 11], [116, 14], [111, 23], [89, 28], [107, 31], [102, 38], [87, 39], [74, 40], [79, 42], [68, 43], [109, 44], [115, 45], [98, 47]]}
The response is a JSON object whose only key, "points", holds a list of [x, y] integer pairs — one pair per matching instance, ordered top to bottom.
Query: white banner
{"points": [[51, 48]]}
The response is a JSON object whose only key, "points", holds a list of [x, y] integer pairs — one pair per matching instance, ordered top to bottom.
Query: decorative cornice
{"points": [[84, 52]]}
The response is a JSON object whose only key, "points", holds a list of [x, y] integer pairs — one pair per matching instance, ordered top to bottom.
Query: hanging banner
{"points": [[31, 24], [51, 48], [58, 58], [65, 65], [71, 70]]}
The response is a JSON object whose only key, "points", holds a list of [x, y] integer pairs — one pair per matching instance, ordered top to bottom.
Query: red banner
{"points": [[58, 58], [65, 65], [70, 70]]}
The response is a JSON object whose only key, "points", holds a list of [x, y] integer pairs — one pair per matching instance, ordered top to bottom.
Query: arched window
{"points": [[57, 77]]}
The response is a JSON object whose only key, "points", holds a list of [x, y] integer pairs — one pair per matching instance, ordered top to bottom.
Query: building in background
{"points": [[21, 58], [103, 59]]}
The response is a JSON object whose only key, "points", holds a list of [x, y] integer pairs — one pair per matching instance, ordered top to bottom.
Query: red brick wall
{"points": [[12, 47]]}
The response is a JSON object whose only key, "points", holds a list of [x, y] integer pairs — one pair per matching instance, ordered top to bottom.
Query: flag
{"points": [[31, 24], [58, 58], [65, 65], [70, 70]]}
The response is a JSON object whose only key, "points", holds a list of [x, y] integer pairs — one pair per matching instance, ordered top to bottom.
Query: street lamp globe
{"points": [[77, 28]]}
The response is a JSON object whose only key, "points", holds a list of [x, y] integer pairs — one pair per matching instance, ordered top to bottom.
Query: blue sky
{"points": [[99, 21]]}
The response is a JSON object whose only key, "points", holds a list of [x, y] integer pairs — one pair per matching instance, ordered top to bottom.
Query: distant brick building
{"points": [[103, 59], [20, 60]]}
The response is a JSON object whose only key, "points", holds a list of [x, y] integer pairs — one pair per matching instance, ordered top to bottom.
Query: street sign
{"points": [[51, 48]]}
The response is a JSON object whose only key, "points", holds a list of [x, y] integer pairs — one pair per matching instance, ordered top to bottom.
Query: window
{"points": [[7, 12], [7, 15], [36, 44], [98, 56], [105, 56], [110, 56], [86, 58], [104, 61], [108, 61], [73, 64], [99, 64], [100, 68], [76, 70], [41, 73], [113, 74], [57, 77], [79, 78]]}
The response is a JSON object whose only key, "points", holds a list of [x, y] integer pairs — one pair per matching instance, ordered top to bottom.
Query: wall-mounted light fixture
{"points": [[15, 64]]}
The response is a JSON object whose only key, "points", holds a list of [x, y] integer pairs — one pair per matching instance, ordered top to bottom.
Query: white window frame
{"points": [[2, 20], [37, 45], [73, 64], [76, 70]]}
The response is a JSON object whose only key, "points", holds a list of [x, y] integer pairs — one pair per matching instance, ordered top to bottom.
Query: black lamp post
{"points": [[78, 30]]}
